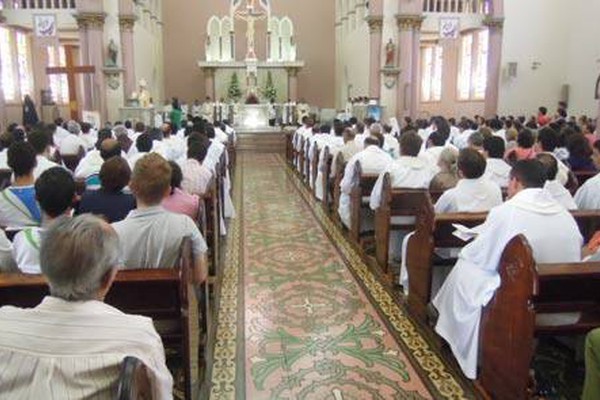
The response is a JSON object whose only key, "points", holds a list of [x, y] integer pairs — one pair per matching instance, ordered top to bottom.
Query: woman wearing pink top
{"points": [[524, 149], [179, 201]]}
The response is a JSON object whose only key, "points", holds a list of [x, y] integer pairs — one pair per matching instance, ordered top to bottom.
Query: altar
{"points": [[268, 75], [253, 116]]}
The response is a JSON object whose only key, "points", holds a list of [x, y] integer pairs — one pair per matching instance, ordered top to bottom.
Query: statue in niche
{"points": [[113, 52], [390, 54], [597, 92], [144, 97]]}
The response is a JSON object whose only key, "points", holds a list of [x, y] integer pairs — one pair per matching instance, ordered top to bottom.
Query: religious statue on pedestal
{"points": [[113, 52], [390, 54], [144, 97]]}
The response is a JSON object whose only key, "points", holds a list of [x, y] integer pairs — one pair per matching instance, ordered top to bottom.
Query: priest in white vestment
{"points": [[547, 142], [333, 143], [373, 160], [497, 170], [552, 185], [473, 192], [588, 195], [550, 230], [72, 344]]}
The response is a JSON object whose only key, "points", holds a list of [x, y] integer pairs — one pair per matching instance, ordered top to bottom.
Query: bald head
{"points": [[109, 148]]}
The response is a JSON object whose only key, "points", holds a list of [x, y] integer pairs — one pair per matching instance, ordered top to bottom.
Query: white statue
{"points": [[144, 97]]}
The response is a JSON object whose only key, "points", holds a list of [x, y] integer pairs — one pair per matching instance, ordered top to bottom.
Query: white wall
{"points": [[583, 55]]}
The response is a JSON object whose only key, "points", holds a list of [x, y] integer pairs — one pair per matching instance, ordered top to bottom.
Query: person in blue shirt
{"points": [[18, 206]]}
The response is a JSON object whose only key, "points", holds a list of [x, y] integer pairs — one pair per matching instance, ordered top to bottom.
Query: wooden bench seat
{"points": [[175, 311], [508, 323]]}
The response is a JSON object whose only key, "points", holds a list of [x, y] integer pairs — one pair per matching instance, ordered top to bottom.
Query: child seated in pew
{"points": [[55, 192], [18, 207], [151, 236], [84, 340]]}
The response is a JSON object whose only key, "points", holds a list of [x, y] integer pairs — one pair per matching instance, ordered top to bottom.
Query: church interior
{"points": [[278, 199]]}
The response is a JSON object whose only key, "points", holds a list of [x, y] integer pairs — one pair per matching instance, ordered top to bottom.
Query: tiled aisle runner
{"points": [[309, 330]]}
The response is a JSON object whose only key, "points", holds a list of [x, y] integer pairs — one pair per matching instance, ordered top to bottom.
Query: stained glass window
{"points": [[24, 66], [465, 68], [431, 73], [472, 75], [8, 77]]}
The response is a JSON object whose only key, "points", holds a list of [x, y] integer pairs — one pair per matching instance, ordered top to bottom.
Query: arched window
{"points": [[286, 36], [213, 39], [274, 39], [227, 44]]}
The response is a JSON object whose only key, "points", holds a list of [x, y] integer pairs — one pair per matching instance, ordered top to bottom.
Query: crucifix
{"points": [[250, 15], [71, 70]]}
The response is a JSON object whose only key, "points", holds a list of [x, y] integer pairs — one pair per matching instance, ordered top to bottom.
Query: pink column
{"points": [[126, 22], [91, 27], [375, 29], [84, 52], [405, 54], [416, 66], [209, 82], [293, 83], [492, 89], [3, 121]]}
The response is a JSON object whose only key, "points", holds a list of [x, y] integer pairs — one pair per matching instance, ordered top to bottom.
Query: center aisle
{"points": [[301, 317]]}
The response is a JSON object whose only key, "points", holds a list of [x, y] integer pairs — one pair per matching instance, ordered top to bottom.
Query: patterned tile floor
{"points": [[294, 322]]}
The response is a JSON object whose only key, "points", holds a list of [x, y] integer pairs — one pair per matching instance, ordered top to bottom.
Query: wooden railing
{"points": [[457, 6]]}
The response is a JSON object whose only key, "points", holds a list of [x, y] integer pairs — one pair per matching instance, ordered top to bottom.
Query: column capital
{"points": [[90, 19], [127, 21], [407, 22], [493, 22], [375, 23], [292, 71]]}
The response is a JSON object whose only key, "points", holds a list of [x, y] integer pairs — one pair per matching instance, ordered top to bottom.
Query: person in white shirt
{"points": [[59, 133], [88, 135], [40, 141], [547, 141], [72, 144], [127, 145], [143, 145], [108, 148], [174, 148], [373, 160], [91, 163], [497, 170], [407, 172], [196, 176], [552, 185], [474, 192], [55, 193], [550, 230], [150, 236], [84, 340]]}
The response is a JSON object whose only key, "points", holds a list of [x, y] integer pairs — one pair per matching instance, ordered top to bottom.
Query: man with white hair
{"points": [[72, 144], [84, 340]]}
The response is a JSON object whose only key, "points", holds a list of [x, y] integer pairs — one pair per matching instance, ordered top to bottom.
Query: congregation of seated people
{"points": [[527, 174], [128, 201]]}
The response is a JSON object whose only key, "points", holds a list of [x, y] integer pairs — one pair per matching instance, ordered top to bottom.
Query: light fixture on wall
{"points": [[536, 65], [512, 70]]}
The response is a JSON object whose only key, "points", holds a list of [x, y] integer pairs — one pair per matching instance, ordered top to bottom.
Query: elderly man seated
{"points": [[72, 344]]}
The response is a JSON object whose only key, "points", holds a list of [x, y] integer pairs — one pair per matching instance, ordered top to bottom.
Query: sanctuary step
{"points": [[261, 142]]}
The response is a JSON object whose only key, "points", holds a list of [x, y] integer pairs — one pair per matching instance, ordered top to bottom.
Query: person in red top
{"points": [[543, 117], [524, 149]]}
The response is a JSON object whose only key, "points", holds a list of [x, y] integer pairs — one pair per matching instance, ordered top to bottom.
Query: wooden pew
{"points": [[289, 148], [231, 155], [301, 157], [340, 167], [314, 168], [306, 170], [327, 182], [362, 185], [394, 203], [212, 226], [432, 231], [435, 231], [175, 311], [508, 323], [134, 382]]}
